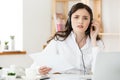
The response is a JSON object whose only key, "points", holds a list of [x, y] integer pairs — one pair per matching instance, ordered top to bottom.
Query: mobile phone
{"points": [[93, 28], [45, 78]]}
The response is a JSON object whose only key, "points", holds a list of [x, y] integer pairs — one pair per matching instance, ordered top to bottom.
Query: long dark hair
{"points": [[62, 35]]}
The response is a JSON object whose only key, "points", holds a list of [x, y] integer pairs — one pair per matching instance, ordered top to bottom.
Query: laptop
{"points": [[107, 66]]}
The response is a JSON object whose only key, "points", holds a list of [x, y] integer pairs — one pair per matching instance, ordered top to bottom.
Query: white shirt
{"points": [[69, 51]]}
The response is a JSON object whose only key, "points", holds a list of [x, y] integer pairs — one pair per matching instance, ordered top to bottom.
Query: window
{"points": [[11, 22]]}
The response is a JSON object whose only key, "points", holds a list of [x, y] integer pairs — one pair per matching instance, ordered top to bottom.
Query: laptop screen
{"points": [[107, 66]]}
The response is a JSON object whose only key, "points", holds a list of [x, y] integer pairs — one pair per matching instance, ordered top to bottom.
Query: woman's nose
{"points": [[80, 21]]}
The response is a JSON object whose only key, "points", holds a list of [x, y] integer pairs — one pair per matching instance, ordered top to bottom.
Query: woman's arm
{"points": [[94, 32], [38, 58]]}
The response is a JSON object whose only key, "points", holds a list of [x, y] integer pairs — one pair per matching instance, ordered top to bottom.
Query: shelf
{"points": [[61, 0], [110, 34], [12, 52]]}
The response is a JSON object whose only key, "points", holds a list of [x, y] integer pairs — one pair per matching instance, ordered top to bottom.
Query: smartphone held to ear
{"points": [[93, 28]]}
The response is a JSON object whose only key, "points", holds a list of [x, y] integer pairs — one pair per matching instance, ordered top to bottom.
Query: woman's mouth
{"points": [[80, 26]]}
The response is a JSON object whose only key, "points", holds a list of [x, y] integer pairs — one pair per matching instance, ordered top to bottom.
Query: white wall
{"points": [[111, 17], [36, 24], [111, 24]]}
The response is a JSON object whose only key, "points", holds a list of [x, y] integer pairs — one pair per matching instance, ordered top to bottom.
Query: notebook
{"points": [[107, 66]]}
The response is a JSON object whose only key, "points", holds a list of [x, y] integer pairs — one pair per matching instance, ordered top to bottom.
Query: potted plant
{"points": [[12, 37], [12, 42], [6, 45], [11, 75]]}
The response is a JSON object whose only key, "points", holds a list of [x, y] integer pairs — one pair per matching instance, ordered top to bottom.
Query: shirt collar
{"points": [[87, 40]]}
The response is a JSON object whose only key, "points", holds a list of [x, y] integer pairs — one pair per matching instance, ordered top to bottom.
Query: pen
{"points": [[45, 78]]}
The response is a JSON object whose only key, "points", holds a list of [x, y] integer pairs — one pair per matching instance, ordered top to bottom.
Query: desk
{"points": [[12, 52], [63, 77], [70, 77]]}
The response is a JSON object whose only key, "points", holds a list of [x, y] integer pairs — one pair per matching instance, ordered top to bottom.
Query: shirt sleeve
{"points": [[38, 60]]}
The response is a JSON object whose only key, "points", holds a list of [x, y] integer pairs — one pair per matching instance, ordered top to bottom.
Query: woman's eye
{"points": [[76, 17], [85, 18]]}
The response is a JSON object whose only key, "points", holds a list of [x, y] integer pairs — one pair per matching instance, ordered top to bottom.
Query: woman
{"points": [[79, 43]]}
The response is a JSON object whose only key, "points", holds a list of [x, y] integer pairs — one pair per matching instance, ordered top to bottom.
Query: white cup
{"points": [[30, 74]]}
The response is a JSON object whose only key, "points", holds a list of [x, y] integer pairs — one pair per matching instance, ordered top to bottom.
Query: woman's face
{"points": [[80, 20]]}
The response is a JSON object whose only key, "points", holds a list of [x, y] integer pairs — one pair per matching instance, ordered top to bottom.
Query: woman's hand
{"points": [[95, 28], [44, 70]]}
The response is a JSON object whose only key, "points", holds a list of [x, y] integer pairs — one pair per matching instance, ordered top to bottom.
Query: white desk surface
{"points": [[61, 77], [64, 77], [70, 77]]}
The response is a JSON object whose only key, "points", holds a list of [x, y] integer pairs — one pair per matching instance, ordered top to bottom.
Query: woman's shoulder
{"points": [[60, 40], [54, 42], [99, 42]]}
